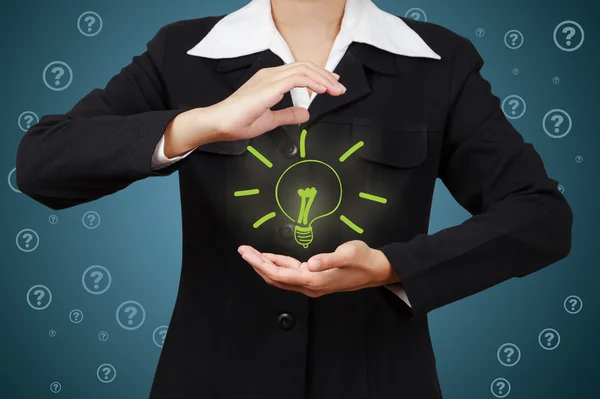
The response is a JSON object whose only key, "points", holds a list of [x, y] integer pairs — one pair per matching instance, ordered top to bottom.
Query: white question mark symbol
{"points": [[415, 15], [91, 21], [570, 31], [514, 38], [59, 71], [514, 104], [28, 120], [558, 120], [91, 217], [53, 218], [28, 237], [97, 276], [40, 294], [573, 303], [133, 311], [76, 315], [163, 334], [103, 335], [549, 336], [509, 352], [106, 371], [501, 385], [55, 387]]}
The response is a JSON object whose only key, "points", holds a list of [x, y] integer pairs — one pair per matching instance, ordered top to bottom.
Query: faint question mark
{"points": [[415, 15], [91, 21], [570, 31], [514, 37], [59, 71], [514, 104], [28, 119], [558, 120], [91, 218], [28, 237], [97, 276], [40, 294], [573, 303], [133, 311], [76, 315], [163, 334], [103, 335], [549, 336], [509, 352], [106, 371], [501, 385], [55, 387]]}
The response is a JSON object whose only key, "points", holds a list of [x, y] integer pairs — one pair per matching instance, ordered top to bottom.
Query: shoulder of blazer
{"points": [[185, 33], [442, 40]]}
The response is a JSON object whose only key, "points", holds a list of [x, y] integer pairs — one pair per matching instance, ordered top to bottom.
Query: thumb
{"points": [[290, 116], [322, 262]]}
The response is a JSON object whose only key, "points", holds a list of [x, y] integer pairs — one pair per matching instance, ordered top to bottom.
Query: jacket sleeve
{"points": [[106, 141], [520, 221]]}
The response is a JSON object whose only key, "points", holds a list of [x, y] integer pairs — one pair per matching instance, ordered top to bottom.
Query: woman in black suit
{"points": [[243, 102]]}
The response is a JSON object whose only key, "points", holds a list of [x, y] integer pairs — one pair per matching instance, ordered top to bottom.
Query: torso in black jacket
{"points": [[418, 119]]}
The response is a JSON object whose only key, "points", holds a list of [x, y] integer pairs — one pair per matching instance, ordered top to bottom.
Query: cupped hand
{"points": [[352, 266]]}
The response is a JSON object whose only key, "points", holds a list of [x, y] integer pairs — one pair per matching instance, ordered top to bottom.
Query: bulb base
{"points": [[303, 235]]}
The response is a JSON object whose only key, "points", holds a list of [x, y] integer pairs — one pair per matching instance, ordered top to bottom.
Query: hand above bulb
{"points": [[352, 266]]}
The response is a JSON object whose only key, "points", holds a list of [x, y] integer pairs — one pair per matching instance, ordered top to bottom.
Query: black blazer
{"points": [[419, 119]]}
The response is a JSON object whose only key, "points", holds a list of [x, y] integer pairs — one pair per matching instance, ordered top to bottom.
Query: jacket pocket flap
{"points": [[401, 146], [236, 147]]}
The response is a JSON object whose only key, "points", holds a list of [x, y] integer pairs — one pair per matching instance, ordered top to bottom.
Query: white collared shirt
{"points": [[251, 29]]}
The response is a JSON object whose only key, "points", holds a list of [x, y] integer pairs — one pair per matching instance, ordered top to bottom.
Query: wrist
{"points": [[188, 130], [388, 274]]}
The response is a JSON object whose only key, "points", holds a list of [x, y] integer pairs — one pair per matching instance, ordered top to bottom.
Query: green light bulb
{"points": [[303, 231]]}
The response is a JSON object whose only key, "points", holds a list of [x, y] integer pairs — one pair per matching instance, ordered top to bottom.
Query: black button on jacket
{"points": [[417, 119]]}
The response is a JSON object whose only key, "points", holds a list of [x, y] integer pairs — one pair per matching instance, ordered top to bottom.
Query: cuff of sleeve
{"points": [[152, 128], [160, 160], [414, 283], [398, 289]]}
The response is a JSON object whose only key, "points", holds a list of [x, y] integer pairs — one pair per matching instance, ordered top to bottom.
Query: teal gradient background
{"points": [[139, 237]]}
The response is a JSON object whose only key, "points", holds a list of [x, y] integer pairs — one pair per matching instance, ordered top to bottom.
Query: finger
{"points": [[311, 70], [320, 75], [289, 82], [290, 116], [242, 249], [342, 256], [283, 260], [284, 275], [288, 287]]}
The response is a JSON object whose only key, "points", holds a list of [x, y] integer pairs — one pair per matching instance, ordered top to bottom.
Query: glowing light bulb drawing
{"points": [[304, 199], [303, 231]]}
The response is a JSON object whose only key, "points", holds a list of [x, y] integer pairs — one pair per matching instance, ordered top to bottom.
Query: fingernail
{"points": [[336, 75], [343, 87], [240, 251], [314, 264]]}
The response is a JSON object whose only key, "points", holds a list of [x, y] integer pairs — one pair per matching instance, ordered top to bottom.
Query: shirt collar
{"points": [[251, 29]]}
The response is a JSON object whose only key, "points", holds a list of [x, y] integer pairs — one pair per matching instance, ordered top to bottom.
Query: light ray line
{"points": [[302, 143], [351, 150], [260, 156], [242, 193], [372, 197], [263, 219], [350, 224]]}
